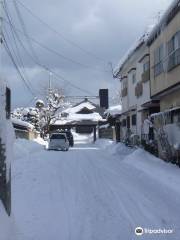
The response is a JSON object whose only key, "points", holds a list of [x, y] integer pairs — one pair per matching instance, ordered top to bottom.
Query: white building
{"points": [[134, 75]]}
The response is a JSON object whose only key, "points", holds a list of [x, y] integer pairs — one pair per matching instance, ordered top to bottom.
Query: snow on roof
{"points": [[169, 14], [150, 34], [135, 46], [79, 107], [114, 110], [165, 112], [73, 117], [22, 123]]}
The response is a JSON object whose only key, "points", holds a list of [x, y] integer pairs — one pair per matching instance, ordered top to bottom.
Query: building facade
{"points": [[164, 47], [134, 75], [150, 87]]}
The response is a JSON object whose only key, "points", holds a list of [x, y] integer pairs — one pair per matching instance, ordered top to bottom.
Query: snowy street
{"points": [[100, 191]]}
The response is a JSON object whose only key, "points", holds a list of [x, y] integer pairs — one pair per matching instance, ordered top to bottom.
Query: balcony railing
{"points": [[173, 60], [145, 76], [139, 89], [124, 92]]}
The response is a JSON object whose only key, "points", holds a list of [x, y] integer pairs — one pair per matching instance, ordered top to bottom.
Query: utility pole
{"points": [[50, 82]]}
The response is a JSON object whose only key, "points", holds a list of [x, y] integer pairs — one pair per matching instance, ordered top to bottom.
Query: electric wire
{"points": [[9, 22], [58, 33], [52, 51], [17, 53], [16, 66]]}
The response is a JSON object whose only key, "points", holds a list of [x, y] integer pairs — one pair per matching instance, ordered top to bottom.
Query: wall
{"points": [[164, 80], [132, 101], [170, 101], [107, 133], [29, 135]]}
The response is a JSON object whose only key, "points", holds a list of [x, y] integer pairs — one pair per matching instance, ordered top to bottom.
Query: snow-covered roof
{"points": [[169, 14], [151, 33], [143, 39], [79, 107], [114, 110], [165, 112], [73, 117], [22, 123]]}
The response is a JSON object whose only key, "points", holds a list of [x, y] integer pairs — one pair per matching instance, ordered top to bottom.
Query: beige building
{"points": [[164, 44], [164, 47]]}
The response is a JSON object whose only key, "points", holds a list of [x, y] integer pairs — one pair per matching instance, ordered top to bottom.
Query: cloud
{"points": [[104, 28]]}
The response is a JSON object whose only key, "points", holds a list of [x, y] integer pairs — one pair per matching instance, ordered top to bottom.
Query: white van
{"points": [[58, 141]]}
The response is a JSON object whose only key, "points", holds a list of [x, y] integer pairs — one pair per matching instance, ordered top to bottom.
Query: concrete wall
{"points": [[170, 101], [107, 133], [29, 135]]}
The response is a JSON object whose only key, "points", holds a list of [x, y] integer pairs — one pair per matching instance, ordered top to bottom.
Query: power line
{"points": [[24, 28], [58, 33], [57, 53], [18, 55], [37, 61], [41, 65], [16, 66], [50, 70]]}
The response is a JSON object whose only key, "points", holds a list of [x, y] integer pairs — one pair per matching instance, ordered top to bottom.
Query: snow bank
{"points": [[23, 147], [113, 148], [146, 163], [161, 171], [4, 224], [7, 225]]}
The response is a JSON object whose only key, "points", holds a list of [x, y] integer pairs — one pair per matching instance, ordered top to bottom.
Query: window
{"points": [[174, 43], [173, 49], [158, 60], [146, 66], [133, 78], [124, 83], [133, 119], [124, 122], [57, 136]]}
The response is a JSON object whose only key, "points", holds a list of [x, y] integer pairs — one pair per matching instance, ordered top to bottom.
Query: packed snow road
{"points": [[99, 191]]}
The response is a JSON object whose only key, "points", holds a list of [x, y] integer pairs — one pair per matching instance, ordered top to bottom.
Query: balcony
{"points": [[173, 60], [145, 77], [139, 89], [124, 92]]}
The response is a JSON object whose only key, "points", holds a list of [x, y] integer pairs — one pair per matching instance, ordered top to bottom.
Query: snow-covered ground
{"points": [[100, 191]]}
